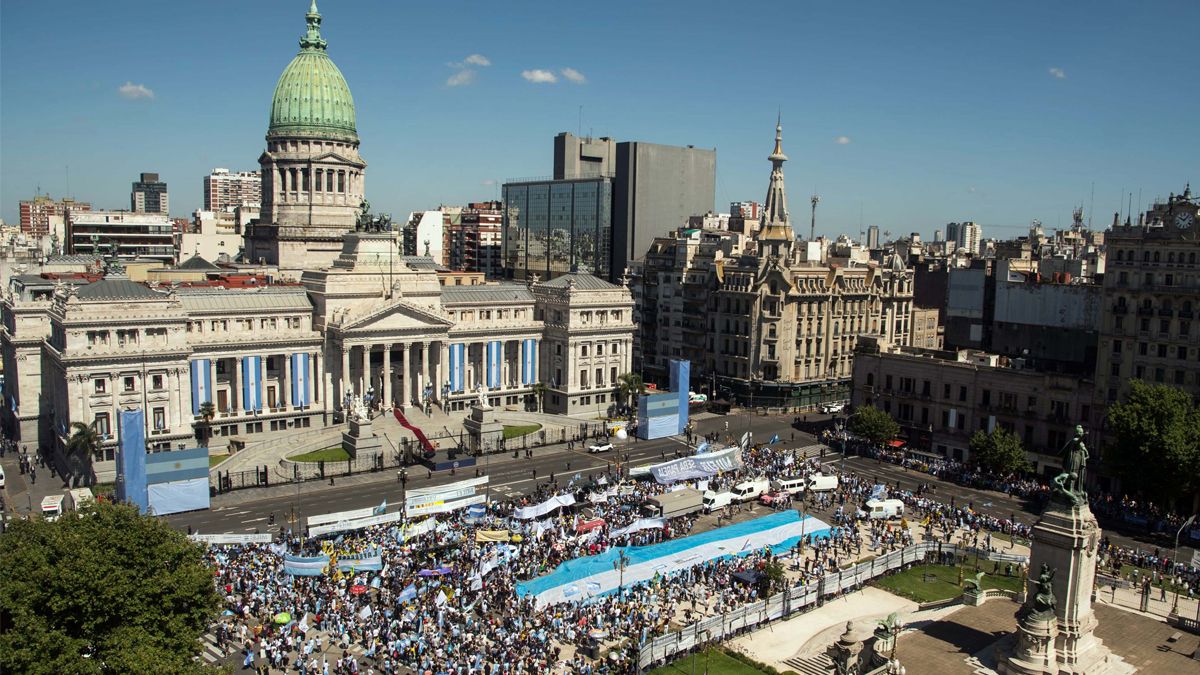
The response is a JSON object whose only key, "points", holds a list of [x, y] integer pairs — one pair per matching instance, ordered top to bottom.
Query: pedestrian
{"points": [[32, 475]]}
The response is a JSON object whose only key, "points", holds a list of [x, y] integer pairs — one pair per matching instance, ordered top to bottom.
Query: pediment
{"points": [[331, 156], [396, 316]]}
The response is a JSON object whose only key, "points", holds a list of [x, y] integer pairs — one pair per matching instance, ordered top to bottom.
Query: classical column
{"points": [[537, 359], [424, 371], [443, 372], [387, 374], [344, 376], [235, 378], [364, 379], [262, 381], [405, 382], [286, 399]]}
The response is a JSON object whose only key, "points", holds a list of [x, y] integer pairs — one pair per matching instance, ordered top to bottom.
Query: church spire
{"points": [[312, 37], [775, 223]]}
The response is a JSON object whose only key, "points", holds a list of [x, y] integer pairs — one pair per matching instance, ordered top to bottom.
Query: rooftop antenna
{"points": [[812, 227]]}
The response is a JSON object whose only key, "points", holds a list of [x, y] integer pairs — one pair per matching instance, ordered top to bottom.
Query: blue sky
{"points": [[903, 114]]}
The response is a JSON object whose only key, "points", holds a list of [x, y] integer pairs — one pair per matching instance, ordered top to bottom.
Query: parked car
{"points": [[830, 408], [600, 447]]}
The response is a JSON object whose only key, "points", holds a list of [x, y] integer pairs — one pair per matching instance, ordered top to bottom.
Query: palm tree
{"points": [[630, 386], [539, 390], [204, 427], [85, 442]]}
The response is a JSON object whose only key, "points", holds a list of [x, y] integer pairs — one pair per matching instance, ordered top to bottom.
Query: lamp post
{"points": [[1175, 559]]}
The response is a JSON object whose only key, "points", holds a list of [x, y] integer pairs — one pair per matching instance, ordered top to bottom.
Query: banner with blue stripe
{"points": [[494, 350], [457, 359], [300, 380], [251, 383], [201, 384], [305, 567]]}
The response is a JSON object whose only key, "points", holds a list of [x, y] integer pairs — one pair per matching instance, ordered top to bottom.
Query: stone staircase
{"points": [[820, 664]]}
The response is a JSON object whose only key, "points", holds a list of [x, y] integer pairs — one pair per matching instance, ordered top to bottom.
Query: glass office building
{"points": [[553, 227]]}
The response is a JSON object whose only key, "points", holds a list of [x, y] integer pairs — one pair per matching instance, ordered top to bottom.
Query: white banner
{"points": [[697, 466], [449, 487], [413, 503], [439, 506], [539, 510], [340, 516], [356, 524], [640, 524], [417, 529], [231, 538]]}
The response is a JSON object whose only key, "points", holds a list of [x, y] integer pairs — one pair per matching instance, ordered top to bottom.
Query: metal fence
{"points": [[781, 605]]}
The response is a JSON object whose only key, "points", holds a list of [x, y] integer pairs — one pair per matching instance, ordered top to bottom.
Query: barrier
{"points": [[782, 605]]}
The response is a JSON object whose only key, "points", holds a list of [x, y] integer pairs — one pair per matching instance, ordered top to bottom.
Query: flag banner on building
{"points": [[494, 351], [528, 361], [457, 363], [301, 376], [252, 383], [201, 384], [697, 466], [440, 506], [539, 510], [356, 524], [639, 525], [779, 531], [232, 538], [371, 561], [298, 566]]}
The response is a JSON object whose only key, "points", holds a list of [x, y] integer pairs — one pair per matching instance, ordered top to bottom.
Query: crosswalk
{"points": [[209, 651]]}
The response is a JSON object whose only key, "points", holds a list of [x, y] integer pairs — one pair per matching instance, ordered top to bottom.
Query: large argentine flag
{"points": [[494, 349], [528, 361], [457, 362], [300, 379], [252, 382], [201, 384], [305, 567]]}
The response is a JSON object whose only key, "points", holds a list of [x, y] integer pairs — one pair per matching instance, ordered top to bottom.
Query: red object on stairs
{"points": [[425, 444]]}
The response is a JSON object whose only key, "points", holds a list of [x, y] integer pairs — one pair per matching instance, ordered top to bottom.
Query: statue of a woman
{"points": [[1044, 601]]}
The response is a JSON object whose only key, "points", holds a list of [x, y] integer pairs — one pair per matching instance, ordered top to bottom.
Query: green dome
{"points": [[312, 98]]}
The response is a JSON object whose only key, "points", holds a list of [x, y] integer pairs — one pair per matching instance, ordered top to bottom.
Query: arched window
{"points": [[1120, 255], [1156, 257], [870, 379]]}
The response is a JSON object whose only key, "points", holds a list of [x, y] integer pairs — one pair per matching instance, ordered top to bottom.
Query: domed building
{"points": [[312, 174]]}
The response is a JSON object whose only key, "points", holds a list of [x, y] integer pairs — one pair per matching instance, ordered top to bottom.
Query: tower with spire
{"points": [[775, 234]]}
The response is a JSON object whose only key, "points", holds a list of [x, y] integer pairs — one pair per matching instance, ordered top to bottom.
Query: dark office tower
{"points": [[655, 190], [149, 195]]}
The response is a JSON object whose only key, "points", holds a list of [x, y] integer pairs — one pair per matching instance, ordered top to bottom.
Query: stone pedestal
{"points": [[484, 433], [360, 438], [1066, 540]]}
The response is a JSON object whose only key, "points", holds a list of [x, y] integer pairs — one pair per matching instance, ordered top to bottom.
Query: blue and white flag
{"points": [[774, 440], [702, 448], [381, 509], [371, 561], [298, 566], [408, 594]]}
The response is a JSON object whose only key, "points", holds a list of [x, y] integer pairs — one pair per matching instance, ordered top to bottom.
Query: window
{"points": [[1184, 327], [1116, 347], [600, 349], [1143, 349], [583, 350], [1162, 351], [1181, 353], [1115, 369], [1160, 375], [599, 377], [1178, 377], [870, 379], [157, 381], [887, 382], [128, 384], [99, 386], [946, 391], [962, 394], [986, 397], [1031, 403], [160, 419], [102, 427]]}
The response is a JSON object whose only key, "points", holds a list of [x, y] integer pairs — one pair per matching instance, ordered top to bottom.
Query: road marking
{"points": [[254, 520]]}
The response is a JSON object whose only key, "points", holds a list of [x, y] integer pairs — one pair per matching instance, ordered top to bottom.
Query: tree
{"points": [[629, 387], [539, 391], [873, 424], [204, 427], [84, 441], [1155, 443], [999, 452], [106, 590]]}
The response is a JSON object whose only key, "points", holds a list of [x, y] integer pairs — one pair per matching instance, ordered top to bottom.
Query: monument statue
{"points": [[481, 401], [359, 409], [1069, 485], [976, 584], [1044, 602]]}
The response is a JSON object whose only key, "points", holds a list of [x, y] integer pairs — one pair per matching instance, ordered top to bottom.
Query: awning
{"points": [[896, 443]]}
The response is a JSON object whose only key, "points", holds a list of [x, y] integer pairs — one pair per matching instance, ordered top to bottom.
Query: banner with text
{"points": [[697, 466], [439, 506], [539, 510], [356, 524], [232, 538]]}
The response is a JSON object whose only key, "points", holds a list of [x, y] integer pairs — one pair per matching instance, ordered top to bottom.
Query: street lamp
{"points": [[1175, 558]]}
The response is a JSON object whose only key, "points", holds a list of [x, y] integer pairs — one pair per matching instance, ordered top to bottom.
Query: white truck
{"points": [[819, 483], [750, 490], [79, 498], [715, 501], [674, 504], [52, 507], [884, 509]]}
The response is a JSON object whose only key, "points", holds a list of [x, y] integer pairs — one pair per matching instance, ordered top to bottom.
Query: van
{"points": [[819, 483], [792, 485], [750, 490], [79, 498], [715, 501], [52, 507], [884, 509]]}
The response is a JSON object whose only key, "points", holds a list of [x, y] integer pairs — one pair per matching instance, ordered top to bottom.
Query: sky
{"points": [[905, 115]]}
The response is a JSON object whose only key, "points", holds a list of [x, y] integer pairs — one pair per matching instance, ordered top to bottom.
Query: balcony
{"points": [[1120, 309], [1145, 311], [1165, 312], [1186, 314]]}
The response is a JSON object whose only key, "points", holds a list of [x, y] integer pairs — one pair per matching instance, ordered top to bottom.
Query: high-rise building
{"points": [[586, 157], [312, 173], [225, 191], [149, 195], [43, 215], [555, 227], [953, 232], [121, 233], [872, 237], [971, 237], [474, 239], [1151, 296]]}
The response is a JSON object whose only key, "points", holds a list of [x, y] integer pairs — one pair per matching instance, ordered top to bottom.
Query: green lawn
{"points": [[518, 430], [331, 454], [214, 460], [944, 583], [718, 663]]}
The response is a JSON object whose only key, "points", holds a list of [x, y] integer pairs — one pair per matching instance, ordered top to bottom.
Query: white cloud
{"points": [[478, 60], [1058, 73], [573, 75], [539, 76], [461, 78], [135, 91], [842, 140], [971, 189]]}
